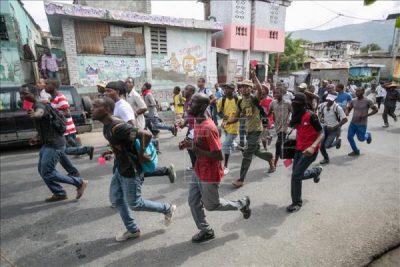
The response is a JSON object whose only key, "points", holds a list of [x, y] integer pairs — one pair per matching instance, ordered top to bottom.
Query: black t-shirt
{"points": [[46, 130], [120, 135]]}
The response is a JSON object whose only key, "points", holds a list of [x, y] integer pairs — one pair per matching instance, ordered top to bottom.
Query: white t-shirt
{"points": [[380, 91], [44, 96], [136, 101], [124, 111], [330, 117]]}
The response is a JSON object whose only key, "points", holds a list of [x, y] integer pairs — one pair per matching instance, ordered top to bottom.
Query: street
{"points": [[350, 216]]}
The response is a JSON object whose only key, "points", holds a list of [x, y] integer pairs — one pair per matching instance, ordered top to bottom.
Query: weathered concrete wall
{"points": [[143, 6], [68, 31], [336, 75]]}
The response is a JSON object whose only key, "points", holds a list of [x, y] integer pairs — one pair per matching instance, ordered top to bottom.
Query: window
{"points": [[3, 29], [241, 31], [273, 34], [108, 39], [158, 40], [5, 101]]}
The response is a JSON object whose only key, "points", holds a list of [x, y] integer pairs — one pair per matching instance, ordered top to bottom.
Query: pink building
{"points": [[251, 31]]}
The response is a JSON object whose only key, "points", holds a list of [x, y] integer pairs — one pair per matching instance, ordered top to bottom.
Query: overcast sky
{"points": [[300, 15]]}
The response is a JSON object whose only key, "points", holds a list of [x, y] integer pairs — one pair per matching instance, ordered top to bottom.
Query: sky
{"points": [[300, 15]]}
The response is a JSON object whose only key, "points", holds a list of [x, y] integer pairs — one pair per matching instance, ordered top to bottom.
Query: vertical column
{"points": [[68, 32], [147, 49], [266, 60], [246, 64], [211, 71]]}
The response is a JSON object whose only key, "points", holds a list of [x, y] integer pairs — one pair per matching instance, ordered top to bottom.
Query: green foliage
{"points": [[368, 2], [370, 47], [292, 58], [363, 79]]}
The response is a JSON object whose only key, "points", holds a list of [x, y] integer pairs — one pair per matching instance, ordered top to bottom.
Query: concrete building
{"points": [[142, 6], [251, 31], [19, 36], [103, 44], [333, 49], [334, 70]]}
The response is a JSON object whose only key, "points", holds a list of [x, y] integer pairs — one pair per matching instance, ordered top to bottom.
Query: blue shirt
{"points": [[219, 93], [343, 99]]}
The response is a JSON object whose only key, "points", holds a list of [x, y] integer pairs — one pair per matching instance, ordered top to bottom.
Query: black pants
{"points": [[379, 101], [388, 111], [278, 145], [192, 156], [300, 173]]}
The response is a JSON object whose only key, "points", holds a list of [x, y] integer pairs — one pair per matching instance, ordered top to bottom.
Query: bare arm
{"points": [[141, 111], [374, 111], [209, 154]]}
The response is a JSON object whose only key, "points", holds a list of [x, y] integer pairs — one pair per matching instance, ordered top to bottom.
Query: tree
{"points": [[370, 47], [293, 56]]}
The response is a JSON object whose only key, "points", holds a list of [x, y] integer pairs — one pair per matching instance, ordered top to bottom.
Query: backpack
{"points": [[256, 103], [335, 109], [221, 113], [57, 119]]}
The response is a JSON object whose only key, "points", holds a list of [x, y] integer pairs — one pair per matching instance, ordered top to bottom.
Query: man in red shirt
{"points": [[308, 139], [203, 190]]}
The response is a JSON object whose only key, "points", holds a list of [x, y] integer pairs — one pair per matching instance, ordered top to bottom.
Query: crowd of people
{"points": [[303, 122]]}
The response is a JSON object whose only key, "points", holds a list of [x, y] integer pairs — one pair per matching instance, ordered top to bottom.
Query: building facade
{"points": [[251, 31], [19, 36], [105, 44], [333, 49]]}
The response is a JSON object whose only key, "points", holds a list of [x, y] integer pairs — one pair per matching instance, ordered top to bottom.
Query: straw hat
{"points": [[246, 83]]}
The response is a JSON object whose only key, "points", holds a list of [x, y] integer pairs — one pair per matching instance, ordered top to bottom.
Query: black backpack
{"points": [[256, 103], [221, 113], [57, 119]]}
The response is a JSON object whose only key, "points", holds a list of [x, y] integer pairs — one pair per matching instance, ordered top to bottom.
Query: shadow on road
{"points": [[9, 189], [262, 223], [58, 254]]}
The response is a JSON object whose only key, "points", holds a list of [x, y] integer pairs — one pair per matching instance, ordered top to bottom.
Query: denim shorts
{"points": [[227, 145]]}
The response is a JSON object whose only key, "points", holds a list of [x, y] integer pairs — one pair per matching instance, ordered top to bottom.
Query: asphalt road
{"points": [[350, 216]]}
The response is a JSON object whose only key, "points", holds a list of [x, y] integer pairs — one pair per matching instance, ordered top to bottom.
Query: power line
{"points": [[344, 15], [323, 24]]}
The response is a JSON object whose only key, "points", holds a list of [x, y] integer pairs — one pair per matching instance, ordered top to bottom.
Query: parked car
{"points": [[17, 128]]}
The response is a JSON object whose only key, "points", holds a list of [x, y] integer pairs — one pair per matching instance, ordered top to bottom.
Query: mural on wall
{"points": [[185, 62], [10, 67], [94, 69]]}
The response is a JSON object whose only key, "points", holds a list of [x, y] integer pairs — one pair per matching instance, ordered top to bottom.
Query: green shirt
{"points": [[252, 114]]}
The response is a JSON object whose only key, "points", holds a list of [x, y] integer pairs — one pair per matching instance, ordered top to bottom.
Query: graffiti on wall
{"points": [[186, 59], [10, 67], [94, 69]]}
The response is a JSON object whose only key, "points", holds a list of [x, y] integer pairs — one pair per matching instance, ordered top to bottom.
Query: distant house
{"points": [[19, 35], [337, 49], [327, 69], [365, 72]]}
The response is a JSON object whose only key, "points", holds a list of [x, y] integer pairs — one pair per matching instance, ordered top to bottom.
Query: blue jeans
{"points": [[53, 75], [160, 125], [362, 135], [329, 141], [227, 145], [73, 147], [48, 159], [159, 171], [301, 172], [125, 193]]}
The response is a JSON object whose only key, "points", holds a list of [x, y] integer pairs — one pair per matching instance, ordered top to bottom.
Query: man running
{"points": [[392, 96], [60, 103], [137, 103], [249, 108], [227, 109], [333, 118], [358, 124], [308, 139], [52, 149], [127, 181], [203, 190]]}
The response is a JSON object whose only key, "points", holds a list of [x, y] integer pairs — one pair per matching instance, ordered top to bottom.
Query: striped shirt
{"points": [[60, 103]]}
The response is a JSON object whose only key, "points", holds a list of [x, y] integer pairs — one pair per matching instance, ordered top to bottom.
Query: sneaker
{"points": [[395, 118], [386, 125], [369, 139], [338, 143], [90, 152], [353, 154], [324, 161], [189, 168], [226, 171], [318, 171], [171, 173], [238, 183], [81, 189], [55, 198], [246, 208], [293, 208], [169, 215], [127, 235], [203, 236]]}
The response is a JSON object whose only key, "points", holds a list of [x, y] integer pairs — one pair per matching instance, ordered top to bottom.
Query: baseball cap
{"points": [[246, 83], [229, 85], [118, 86], [303, 86], [331, 97]]}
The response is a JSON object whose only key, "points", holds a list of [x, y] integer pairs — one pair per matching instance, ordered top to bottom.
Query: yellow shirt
{"points": [[178, 99], [230, 109]]}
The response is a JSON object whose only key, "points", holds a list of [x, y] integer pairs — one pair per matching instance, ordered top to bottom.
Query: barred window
{"points": [[3, 29], [158, 40]]}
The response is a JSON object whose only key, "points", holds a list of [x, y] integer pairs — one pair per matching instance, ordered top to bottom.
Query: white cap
{"points": [[303, 86], [331, 97]]}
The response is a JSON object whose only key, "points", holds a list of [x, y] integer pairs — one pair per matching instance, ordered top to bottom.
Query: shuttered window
{"points": [[89, 37], [158, 40]]}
